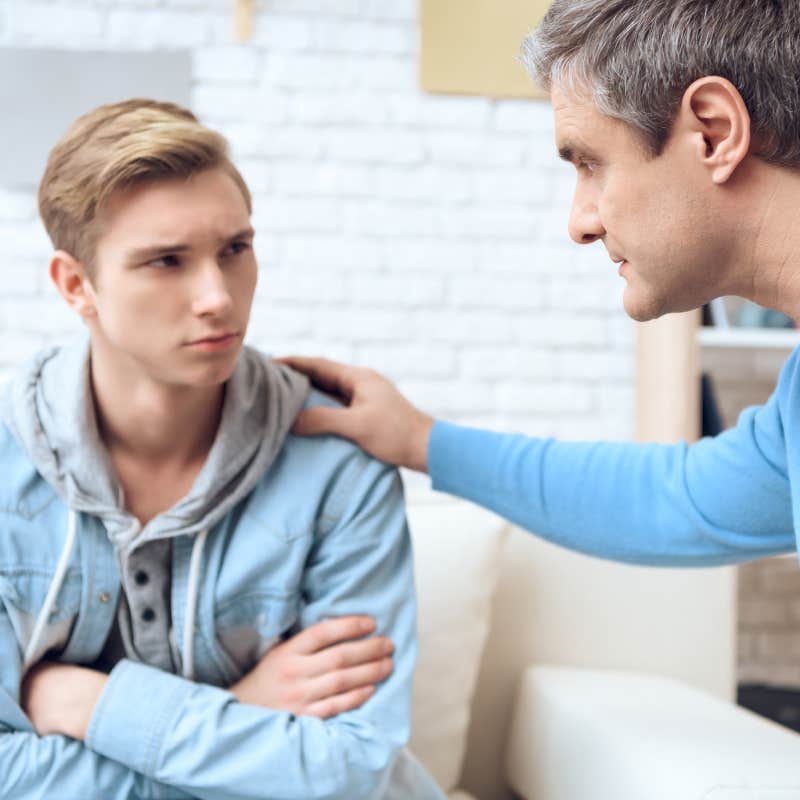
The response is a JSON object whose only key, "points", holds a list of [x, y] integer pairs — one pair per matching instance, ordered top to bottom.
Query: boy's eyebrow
{"points": [[145, 253]]}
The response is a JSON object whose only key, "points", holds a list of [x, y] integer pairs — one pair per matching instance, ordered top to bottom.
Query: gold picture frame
{"points": [[472, 46]]}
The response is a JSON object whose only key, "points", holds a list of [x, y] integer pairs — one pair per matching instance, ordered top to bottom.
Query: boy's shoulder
{"points": [[331, 453], [317, 478], [23, 491]]}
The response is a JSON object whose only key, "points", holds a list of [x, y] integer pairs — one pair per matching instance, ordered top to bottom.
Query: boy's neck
{"points": [[142, 420]]}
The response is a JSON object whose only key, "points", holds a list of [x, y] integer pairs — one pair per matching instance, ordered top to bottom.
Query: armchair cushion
{"points": [[457, 549], [581, 733]]}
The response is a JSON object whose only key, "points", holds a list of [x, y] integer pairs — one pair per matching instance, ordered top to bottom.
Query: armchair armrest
{"points": [[578, 734]]}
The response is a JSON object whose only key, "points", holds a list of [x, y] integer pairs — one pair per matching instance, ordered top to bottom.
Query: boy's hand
{"points": [[378, 418], [321, 672], [60, 698]]}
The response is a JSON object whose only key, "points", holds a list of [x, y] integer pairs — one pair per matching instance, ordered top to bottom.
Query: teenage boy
{"points": [[682, 119], [161, 534]]}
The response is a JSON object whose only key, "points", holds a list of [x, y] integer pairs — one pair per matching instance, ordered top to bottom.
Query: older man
{"points": [[682, 119]]}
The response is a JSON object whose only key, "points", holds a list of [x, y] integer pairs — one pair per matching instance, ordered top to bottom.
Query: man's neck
{"points": [[770, 248]]}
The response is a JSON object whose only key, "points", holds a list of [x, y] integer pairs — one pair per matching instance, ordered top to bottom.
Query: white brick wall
{"points": [[423, 235]]}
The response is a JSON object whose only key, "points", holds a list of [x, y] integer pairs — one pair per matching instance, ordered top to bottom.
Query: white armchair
{"points": [[557, 676], [580, 734]]}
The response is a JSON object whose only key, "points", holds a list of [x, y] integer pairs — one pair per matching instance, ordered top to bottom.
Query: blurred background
{"points": [[423, 235]]}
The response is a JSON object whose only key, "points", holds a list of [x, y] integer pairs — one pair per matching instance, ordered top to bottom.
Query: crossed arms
{"points": [[142, 733]]}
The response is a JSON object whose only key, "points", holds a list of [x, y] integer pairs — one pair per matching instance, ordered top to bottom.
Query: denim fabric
{"points": [[322, 534]]}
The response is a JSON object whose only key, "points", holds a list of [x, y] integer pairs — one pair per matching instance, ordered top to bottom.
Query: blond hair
{"points": [[115, 147]]}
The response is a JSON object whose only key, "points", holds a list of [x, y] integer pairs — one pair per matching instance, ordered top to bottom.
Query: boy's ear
{"points": [[713, 113], [72, 281]]}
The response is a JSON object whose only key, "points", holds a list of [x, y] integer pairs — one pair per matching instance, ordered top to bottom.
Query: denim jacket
{"points": [[323, 534]]}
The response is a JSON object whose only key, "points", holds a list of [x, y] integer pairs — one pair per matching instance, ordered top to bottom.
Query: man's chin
{"points": [[641, 308]]}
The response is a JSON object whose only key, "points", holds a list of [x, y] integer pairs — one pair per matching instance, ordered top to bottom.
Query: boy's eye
{"points": [[586, 166], [234, 248], [164, 261]]}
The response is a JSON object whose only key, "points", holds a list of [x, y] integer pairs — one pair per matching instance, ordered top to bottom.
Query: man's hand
{"points": [[378, 418], [321, 672], [60, 698]]}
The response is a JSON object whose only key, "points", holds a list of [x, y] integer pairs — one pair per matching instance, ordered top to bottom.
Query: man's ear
{"points": [[713, 112], [72, 281]]}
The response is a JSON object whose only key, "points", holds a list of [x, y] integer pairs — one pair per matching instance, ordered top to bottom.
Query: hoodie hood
{"points": [[49, 409]]}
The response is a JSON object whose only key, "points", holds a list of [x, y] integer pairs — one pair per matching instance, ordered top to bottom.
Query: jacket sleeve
{"points": [[722, 500], [199, 739], [56, 767]]}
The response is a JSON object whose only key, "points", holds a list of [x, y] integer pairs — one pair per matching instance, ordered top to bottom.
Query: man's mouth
{"points": [[620, 262]]}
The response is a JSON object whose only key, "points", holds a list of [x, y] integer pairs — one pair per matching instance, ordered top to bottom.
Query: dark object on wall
{"points": [[43, 91], [710, 417], [779, 705]]}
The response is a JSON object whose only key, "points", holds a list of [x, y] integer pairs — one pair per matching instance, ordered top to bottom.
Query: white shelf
{"points": [[752, 338]]}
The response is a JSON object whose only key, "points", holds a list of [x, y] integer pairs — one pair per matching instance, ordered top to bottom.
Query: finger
{"points": [[330, 376], [324, 419], [329, 632], [349, 654], [334, 684], [332, 706]]}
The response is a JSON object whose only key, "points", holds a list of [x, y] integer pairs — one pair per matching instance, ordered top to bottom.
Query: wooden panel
{"points": [[243, 19], [472, 46], [668, 379]]}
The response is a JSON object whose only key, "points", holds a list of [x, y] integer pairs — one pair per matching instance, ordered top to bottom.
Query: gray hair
{"points": [[635, 59]]}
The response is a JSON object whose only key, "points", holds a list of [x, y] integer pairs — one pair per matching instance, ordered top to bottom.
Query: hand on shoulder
{"points": [[377, 417]]}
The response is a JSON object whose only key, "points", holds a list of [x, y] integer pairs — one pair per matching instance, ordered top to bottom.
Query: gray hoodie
{"points": [[49, 408]]}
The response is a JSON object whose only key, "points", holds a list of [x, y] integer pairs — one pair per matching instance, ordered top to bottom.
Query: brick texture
{"points": [[423, 234]]}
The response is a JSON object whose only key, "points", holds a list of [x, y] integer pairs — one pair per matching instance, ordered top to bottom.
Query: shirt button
{"points": [[141, 577], [104, 597], [148, 615]]}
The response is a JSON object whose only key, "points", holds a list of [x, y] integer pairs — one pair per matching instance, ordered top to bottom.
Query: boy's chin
{"points": [[213, 375]]}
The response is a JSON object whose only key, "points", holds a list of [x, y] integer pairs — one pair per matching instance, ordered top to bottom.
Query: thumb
{"points": [[324, 419]]}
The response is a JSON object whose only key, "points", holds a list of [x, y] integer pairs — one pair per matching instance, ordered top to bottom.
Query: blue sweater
{"points": [[720, 501]]}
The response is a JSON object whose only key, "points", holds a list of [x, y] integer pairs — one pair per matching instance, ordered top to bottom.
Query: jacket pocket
{"points": [[22, 594], [250, 625]]}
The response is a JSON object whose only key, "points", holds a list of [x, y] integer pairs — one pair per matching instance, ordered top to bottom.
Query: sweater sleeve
{"points": [[722, 500], [199, 739]]}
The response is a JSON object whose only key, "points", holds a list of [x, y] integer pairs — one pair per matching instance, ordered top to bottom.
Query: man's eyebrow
{"points": [[573, 152], [152, 251]]}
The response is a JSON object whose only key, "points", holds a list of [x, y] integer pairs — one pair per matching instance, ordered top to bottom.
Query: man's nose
{"points": [[584, 221], [211, 294]]}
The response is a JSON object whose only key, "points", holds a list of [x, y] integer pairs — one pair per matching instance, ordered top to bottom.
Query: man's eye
{"points": [[586, 166]]}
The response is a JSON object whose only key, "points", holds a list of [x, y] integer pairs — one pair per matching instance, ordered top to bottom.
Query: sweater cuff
{"points": [[446, 456], [135, 713]]}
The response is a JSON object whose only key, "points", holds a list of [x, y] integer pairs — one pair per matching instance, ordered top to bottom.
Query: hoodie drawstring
{"points": [[192, 591], [52, 592]]}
